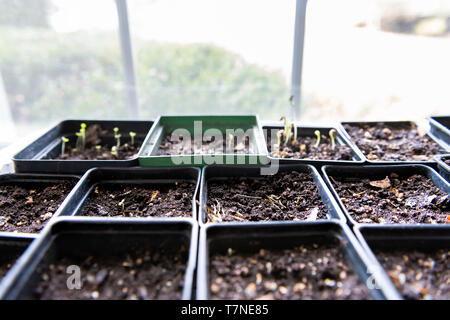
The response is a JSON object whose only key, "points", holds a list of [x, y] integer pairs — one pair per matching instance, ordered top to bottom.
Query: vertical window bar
{"points": [[297, 59], [127, 60]]}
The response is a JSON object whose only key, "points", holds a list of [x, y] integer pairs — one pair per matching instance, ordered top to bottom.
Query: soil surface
{"points": [[95, 137], [393, 142], [179, 147], [305, 148], [285, 196], [393, 199], [126, 200], [27, 206], [7, 262], [305, 272], [418, 274], [138, 275]]}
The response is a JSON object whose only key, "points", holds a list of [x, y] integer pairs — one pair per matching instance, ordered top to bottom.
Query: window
{"points": [[213, 56], [363, 60]]}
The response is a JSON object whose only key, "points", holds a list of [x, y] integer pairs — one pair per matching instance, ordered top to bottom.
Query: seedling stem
{"points": [[291, 100], [287, 130], [317, 133], [83, 134], [279, 134], [332, 134], [132, 135], [117, 136], [230, 141], [79, 144], [63, 145], [114, 151], [122, 204]]}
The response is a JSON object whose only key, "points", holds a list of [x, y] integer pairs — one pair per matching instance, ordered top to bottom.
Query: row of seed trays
{"points": [[223, 207]]}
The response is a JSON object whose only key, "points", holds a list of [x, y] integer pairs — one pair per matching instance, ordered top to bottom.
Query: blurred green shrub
{"points": [[25, 13], [51, 76]]}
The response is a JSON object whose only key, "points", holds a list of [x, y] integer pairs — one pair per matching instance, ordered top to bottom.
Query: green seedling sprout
{"points": [[291, 100], [287, 130], [83, 133], [317, 133], [279, 134], [332, 134], [132, 135], [117, 136], [81, 137], [230, 140], [79, 144], [63, 145], [114, 151], [122, 204]]}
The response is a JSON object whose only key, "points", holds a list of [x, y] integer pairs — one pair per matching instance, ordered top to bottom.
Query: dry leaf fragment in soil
{"points": [[382, 184], [154, 195]]}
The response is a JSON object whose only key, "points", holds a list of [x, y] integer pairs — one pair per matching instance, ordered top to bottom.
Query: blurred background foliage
{"points": [[25, 13], [50, 75]]}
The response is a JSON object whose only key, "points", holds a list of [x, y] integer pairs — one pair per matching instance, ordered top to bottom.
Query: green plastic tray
{"points": [[167, 124]]}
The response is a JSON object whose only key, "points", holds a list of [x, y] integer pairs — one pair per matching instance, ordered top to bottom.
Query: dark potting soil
{"points": [[95, 136], [393, 142], [179, 147], [305, 148], [125, 152], [284, 196], [393, 199], [140, 200], [27, 206], [6, 262], [306, 272], [418, 274], [137, 275]]}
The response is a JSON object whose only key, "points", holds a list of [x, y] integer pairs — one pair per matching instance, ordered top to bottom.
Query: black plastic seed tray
{"points": [[440, 127], [308, 131], [445, 148], [34, 157], [444, 168], [222, 172], [379, 172], [98, 176], [37, 178], [75, 237], [252, 238], [408, 238], [11, 248]]}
